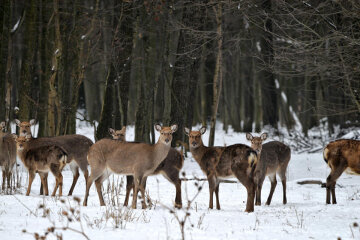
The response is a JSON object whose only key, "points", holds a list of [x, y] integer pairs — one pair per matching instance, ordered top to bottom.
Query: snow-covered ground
{"points": [[306, 216]]}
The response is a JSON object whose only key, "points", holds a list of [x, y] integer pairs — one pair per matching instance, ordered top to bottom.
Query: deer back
{"points": [[344, 151], [273, 155], [237, 156], [127, 157]]}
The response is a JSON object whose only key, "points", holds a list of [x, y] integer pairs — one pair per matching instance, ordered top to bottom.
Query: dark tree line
{"points": [[245, 63]]}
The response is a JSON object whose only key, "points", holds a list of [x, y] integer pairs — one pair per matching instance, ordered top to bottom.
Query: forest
{"points": [[245, 63]]}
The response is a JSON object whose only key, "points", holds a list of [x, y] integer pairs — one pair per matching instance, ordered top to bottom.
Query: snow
{"points": [[16, 26], [258, 46], [283, 95], [305, 216]]}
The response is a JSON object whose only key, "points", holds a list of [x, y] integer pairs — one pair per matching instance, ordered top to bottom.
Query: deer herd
{"points": [[249, 164]]}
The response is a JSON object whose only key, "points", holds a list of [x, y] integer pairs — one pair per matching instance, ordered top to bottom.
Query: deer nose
{"points": [[24, 131], [167, 140], [194, 143]]}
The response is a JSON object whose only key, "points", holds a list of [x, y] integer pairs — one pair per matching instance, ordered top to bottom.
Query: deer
{"points": [[76, 147], [7, 155], [340, 155], [40, 158], [274, 158], [136, 159], [217, 163], [169, 168]]}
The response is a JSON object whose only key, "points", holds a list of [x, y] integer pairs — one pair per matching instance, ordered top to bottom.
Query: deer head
{"points": [[2, 126], [25, 127], [166, 133], [118, 134], [195, 140], [21, 141], [256, 142]]}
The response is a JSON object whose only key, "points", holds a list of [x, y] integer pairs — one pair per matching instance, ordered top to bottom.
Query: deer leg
{"points": [[55, 169], [75, 170], [95, 174], [8, 176], [173, 176], [31, 179], [42, 179], [3, 180], [258, 180], [283, 181], [331, 182], [137, 183], [98, 184], [129, 186], [212, 186], [250, 187], [272, 189], [142, 190], [217, 195]]}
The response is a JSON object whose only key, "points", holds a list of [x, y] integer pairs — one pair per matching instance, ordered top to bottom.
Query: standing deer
{"points": [[76, 147], [7, 155], [340, 155], [40, 158], [274, 158], [137, 159], [217, 163], [169, 168]]}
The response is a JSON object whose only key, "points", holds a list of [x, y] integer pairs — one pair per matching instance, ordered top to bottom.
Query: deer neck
{"points": [[161, 150], [198, 152]]}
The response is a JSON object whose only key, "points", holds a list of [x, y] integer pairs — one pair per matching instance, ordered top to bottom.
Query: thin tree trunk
{"points": [[217, 76]]}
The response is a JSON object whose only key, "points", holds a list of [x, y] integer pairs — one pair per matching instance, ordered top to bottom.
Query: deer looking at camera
{"points": [[76, 146], [7, 155], [340, 155], [39, 158], [274, 158], [137, 159], [217, 163], [169, 168]]}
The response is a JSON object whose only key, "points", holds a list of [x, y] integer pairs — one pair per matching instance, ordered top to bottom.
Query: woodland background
{"points": [[247, 63]]}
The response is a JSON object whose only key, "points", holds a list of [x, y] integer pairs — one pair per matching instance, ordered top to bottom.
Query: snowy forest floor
{"points": [[306, 216]]}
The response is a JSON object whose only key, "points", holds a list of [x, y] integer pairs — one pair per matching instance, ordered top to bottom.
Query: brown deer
{"points": [[76, 147], [7, 155], [340, 155], [40, 158], [274, 158], [137, 159], [217, 163], [169, 168]]}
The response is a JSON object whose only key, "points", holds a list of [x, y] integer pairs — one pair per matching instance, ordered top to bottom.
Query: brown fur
{"points": [[76, 146], [7, 155], [340, 155], [40, 158], [274, 158], [137, 159], [236, 160], [169, 168]]}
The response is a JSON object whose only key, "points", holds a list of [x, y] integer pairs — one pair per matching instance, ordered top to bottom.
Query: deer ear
{"points": [[17, 121], [32, 122], [2, 124], [158, 127], [123, 128], [174, 128], [202, 130], [111, 131], [187, 131], [249, 136], [264, 136]]}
